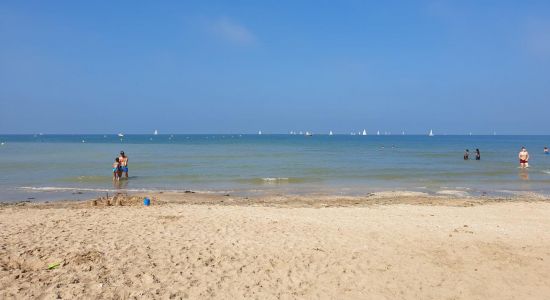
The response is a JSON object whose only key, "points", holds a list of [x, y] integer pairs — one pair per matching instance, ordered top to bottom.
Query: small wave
{"points": [[546, 172], [270, 179], [275, 180], [70, 189], [98, 190], [454, 193]]}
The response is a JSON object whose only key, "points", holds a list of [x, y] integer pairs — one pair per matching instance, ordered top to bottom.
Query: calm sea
{"points": [[47, 167]]}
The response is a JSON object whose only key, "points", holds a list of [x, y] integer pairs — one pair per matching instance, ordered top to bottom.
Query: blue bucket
{"points": [[146, 201]]}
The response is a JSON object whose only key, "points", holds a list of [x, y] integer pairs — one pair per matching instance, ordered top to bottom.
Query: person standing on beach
{"points": [[467, 154], [478, 155], [523, 158], [123, 159]]}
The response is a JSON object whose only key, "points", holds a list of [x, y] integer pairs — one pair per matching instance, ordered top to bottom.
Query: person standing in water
{"points": [[546, 150], [467, 154], [478, 155], [523, 158], [123, 159], [117, 171]]}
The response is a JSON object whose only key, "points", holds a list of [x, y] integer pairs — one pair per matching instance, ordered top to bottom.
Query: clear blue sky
{"points": [[232, 66]]}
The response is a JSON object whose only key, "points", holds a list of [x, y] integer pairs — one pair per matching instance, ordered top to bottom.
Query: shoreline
{"points": [[63, 194], [197, 246]]}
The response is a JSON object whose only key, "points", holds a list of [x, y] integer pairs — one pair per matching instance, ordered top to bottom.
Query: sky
{"points": [[242, 66]]}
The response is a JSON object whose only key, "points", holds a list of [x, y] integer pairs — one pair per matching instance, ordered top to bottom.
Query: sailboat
{"points": [[156, 132], [260, 132], [330, 132], [364, 132], [378, 132], [402, 132], [308, 133], [431, 133], [120, 135]]}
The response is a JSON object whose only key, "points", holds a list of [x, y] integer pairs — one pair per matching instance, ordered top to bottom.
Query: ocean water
{"points": [[48, 167]]}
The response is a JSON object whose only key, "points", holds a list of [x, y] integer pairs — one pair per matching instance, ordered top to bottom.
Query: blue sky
{"points": [[275, 66]]}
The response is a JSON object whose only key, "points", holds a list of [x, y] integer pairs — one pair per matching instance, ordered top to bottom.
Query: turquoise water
{"points": [[47, 167]]}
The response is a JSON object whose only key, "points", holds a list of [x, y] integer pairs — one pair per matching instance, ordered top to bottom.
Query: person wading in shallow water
{"points": [[467, 154], [478, 155], [523, 158], [123, 159]]}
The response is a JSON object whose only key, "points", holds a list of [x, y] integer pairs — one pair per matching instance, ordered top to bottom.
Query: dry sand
{"points": [[385, 246]]}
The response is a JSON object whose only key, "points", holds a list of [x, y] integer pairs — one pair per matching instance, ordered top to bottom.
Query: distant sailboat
{"points": [[156, 132], [260, 132], [330, 132], [364, 132], [378, 132], [402, 132], [308, 133], [431, 133], [120, 135]]}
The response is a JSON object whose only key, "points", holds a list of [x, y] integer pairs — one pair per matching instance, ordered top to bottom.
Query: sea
{"points": [[47, 167]]}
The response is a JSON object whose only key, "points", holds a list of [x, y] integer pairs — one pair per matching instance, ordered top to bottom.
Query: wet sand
{"points": [[196, 246]]}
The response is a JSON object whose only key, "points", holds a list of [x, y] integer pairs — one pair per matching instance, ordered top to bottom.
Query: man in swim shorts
{"points": [[523, 158], [123, 159]]}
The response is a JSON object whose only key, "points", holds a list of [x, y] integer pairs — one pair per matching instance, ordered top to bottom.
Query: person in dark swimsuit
{"points": [[467, 154], [478, 155]]}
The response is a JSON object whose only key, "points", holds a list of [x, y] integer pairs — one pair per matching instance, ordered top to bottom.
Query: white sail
{"points": [[156, 132], [260, 132], [330, 132], [364, 132], [378, 132], [402, 132], [431, 133], [120, 135]]}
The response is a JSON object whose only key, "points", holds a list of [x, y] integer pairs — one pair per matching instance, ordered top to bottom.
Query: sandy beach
{"points": [[197, 246]]}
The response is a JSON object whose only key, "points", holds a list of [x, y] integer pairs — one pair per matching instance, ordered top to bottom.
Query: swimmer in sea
{"points": [[546, 150], [467, 154], [478, 155], [523, 158]]}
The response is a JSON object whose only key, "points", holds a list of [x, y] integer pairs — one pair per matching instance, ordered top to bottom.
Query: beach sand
{"points": [[196, 246]]}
